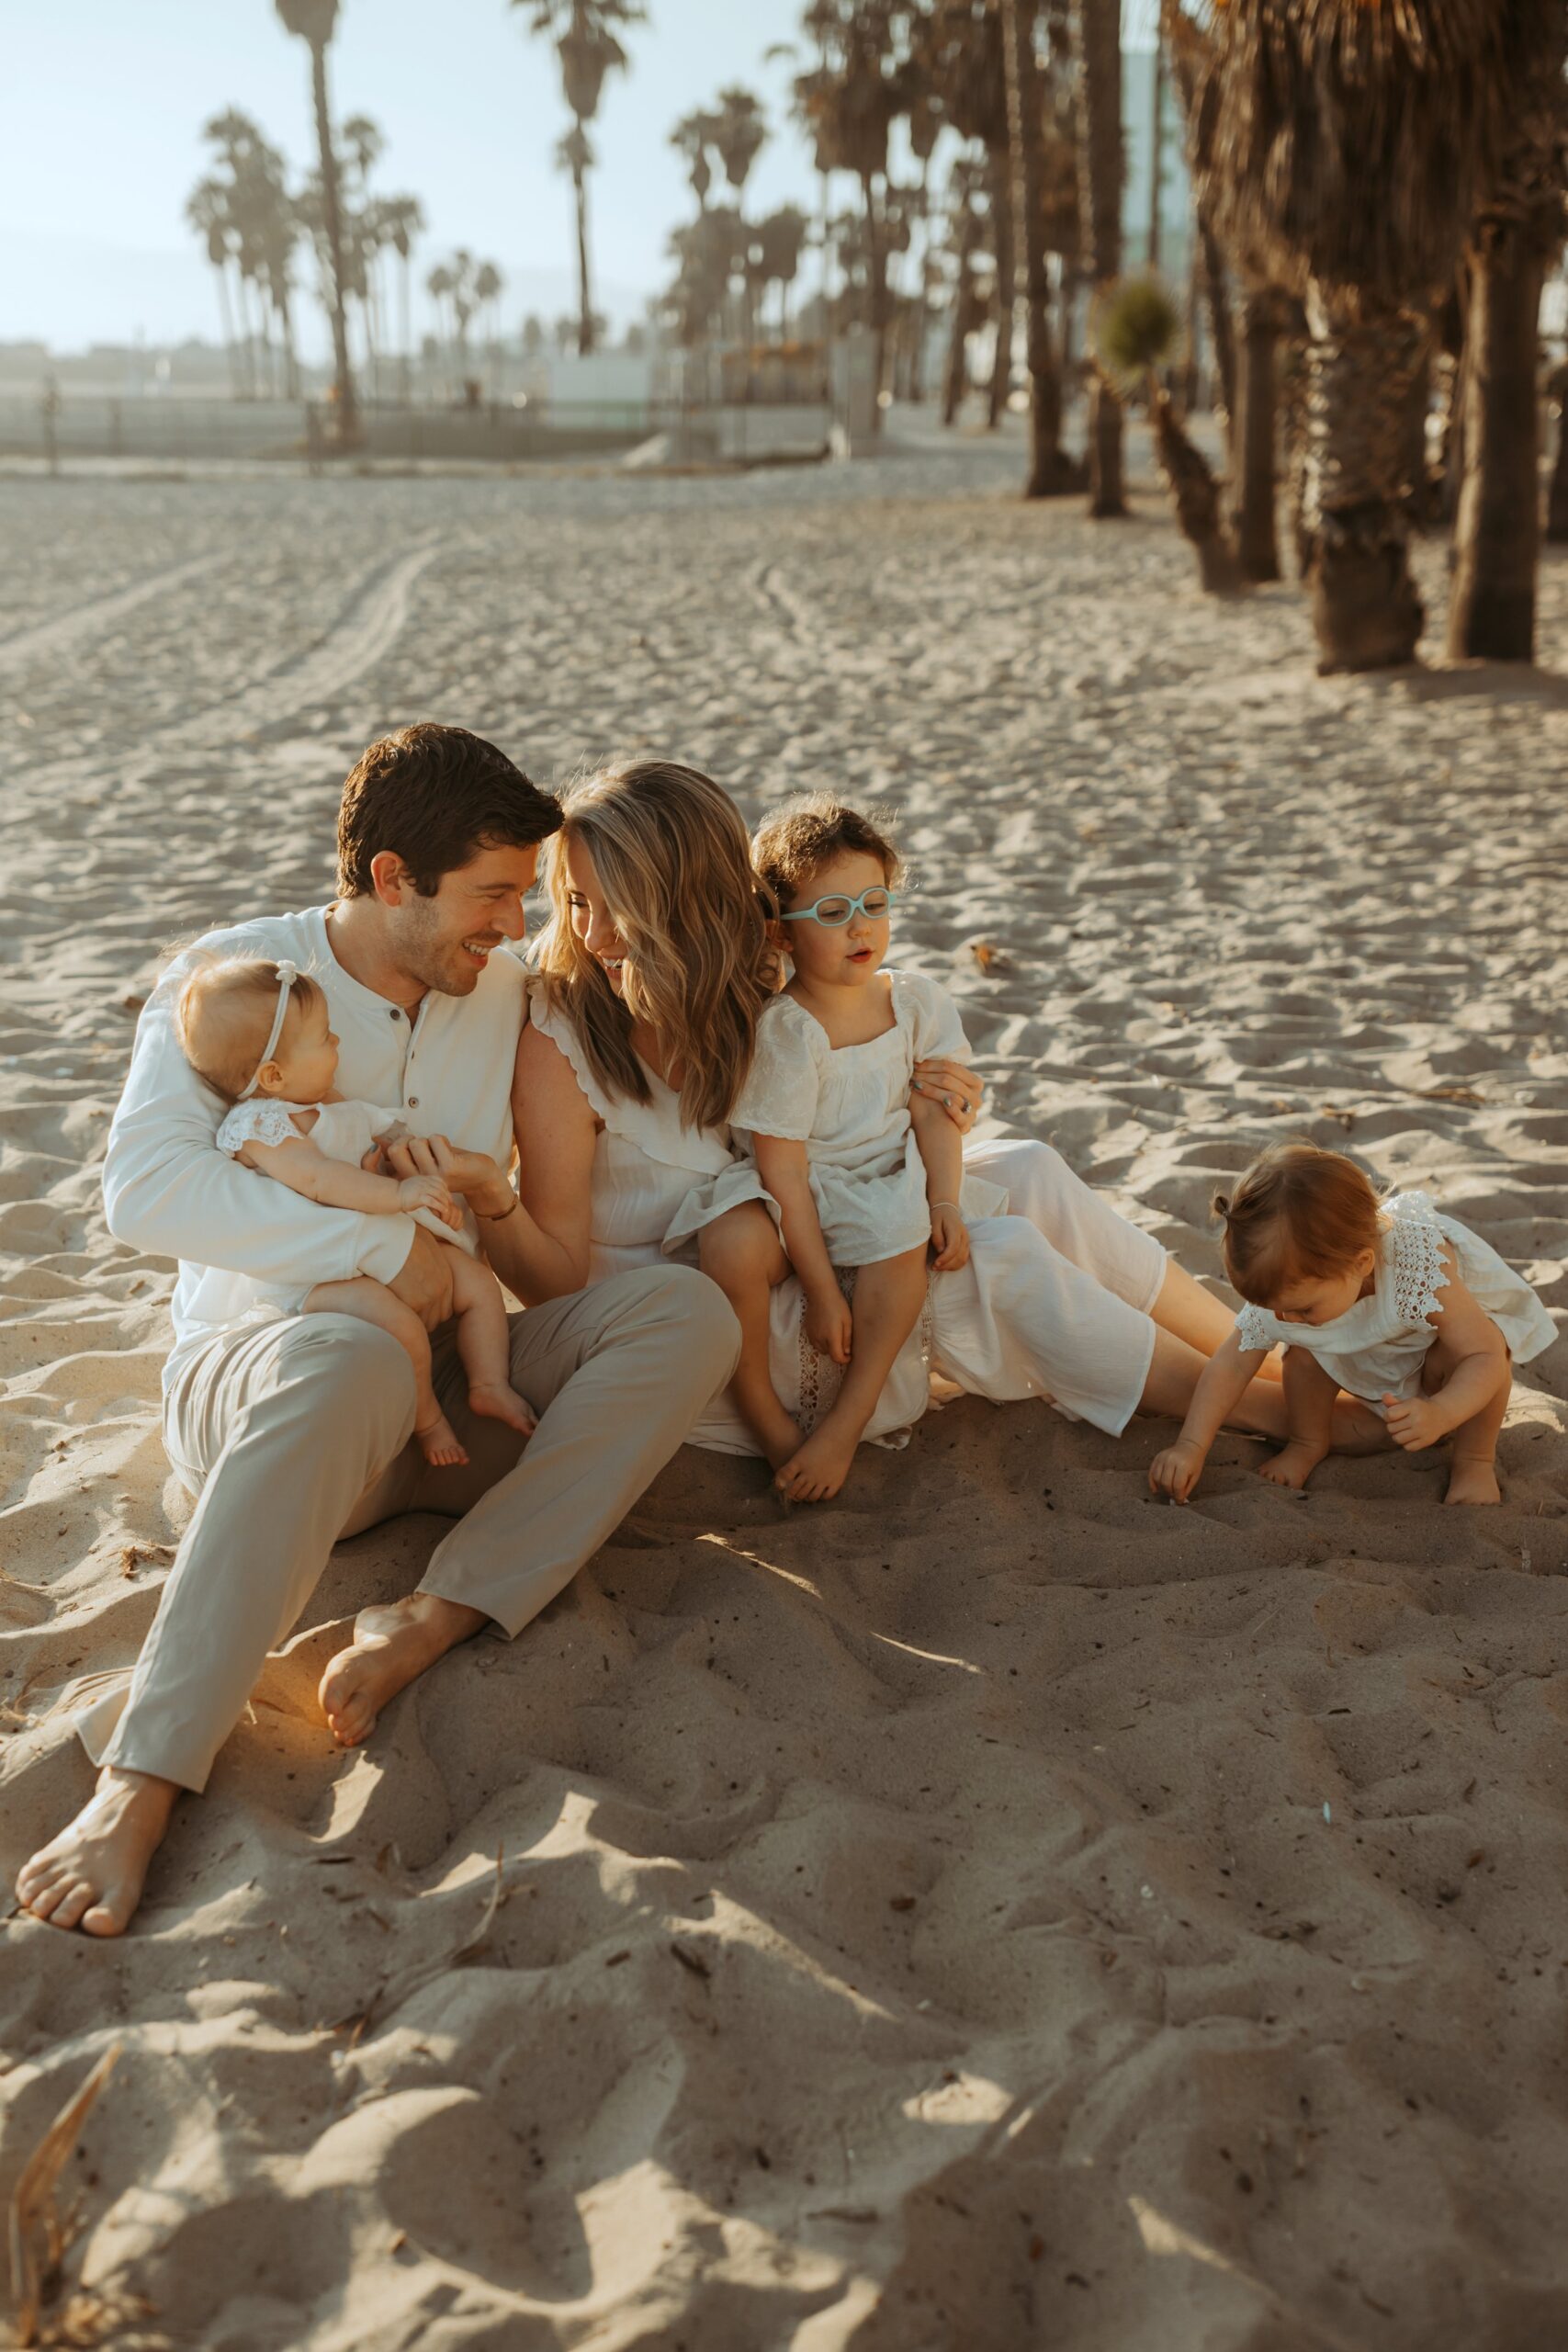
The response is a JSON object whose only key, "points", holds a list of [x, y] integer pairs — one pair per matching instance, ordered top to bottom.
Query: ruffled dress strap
{"points": [[259, 1121], [654, 1128], [1415, 1254]]}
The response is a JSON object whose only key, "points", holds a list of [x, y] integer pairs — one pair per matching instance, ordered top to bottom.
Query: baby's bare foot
{"points": [[496, 1402], [440, 1445], [1293, 1465], [817, 1471], [1472, 1479], [392, 1647], [91, 1875]]}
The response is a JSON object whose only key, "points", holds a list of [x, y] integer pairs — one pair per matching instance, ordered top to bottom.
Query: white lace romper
{"points": [[850, 1106], [343, 1131], [1377, 1348]]}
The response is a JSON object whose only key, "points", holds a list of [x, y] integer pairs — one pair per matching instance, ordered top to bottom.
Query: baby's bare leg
{"points": [[742, 1252], [888, 1297], [372, 1301], [484, 1343], [1309, 1418], [1472, 1458]]}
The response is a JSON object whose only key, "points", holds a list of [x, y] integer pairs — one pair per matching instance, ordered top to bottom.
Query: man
{"points": [[296, 1431]]}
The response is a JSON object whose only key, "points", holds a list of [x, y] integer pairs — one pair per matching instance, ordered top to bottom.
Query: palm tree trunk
{"points": [[1102, 165], [1001, 227], [876, 253], [220, 271], [1216, 290], [584, 297], [407, 331], [290, 356], [1360, 365], [955, 371], [347, 420], [1256, 439], [1050, 472], [1197, 496], [1557, 496], [1498, 532]]}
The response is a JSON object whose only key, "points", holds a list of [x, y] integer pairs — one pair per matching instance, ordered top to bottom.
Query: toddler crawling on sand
{"points": [[258, 1034], [1389, 1299]]}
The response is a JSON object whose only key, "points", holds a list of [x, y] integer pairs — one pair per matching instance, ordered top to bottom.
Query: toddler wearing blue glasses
{"points": [[844, 1167]]}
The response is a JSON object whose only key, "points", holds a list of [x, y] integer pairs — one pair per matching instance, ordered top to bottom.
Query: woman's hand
{"points": [[958, 1090], [474, 1174], [949, 1237], [829, 1326], [1177, 1470]]}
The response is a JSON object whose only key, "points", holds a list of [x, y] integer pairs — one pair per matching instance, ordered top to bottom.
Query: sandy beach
{"points": [[997, 1908]]}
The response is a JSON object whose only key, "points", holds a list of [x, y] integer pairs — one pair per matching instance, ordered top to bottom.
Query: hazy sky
{"points": [[102, 104]]}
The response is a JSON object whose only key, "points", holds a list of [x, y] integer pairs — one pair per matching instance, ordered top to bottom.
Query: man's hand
{"points": [[474, 1174], [428, 1192], [949, 1237], [829, 1326], [1413, 1422], [1177, 1470]]}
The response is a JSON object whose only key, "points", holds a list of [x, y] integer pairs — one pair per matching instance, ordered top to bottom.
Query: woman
{"points": [[653, 970]]}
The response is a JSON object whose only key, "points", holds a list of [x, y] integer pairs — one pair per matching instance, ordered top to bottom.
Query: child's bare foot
{"points": [[496, 1402], [779, 1435], [440, 1445], [1294, 1465], [819, 1468], [1472, 1479], [391, 1646], [91, 1875]]}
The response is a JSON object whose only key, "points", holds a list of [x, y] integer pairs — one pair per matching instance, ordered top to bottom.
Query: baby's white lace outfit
{"points": [[850, 1106], [343, 1131], [1376, 1349]]}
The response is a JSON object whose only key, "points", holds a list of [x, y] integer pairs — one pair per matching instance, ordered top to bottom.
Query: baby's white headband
{"points": [[287, 975]]}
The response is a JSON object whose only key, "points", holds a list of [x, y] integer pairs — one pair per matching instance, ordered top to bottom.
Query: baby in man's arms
{"points": [[259, 1035]]}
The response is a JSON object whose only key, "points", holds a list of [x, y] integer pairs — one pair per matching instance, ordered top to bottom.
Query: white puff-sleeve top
{"points": [[850, 1106], [1377, 1347]]}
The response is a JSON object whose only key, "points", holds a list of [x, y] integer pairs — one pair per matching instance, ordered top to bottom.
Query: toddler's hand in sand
{"points": [[428, 1192], [949, 1237], [829, 1326], [1412, 1422], [1177, 1470]]}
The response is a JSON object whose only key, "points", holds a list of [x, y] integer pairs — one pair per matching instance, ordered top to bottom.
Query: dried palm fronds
{"points": [[38, 2239]]}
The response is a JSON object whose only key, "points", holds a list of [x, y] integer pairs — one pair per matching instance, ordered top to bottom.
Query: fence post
{"points": [[49, 406], [117, 436], [312, 438]]}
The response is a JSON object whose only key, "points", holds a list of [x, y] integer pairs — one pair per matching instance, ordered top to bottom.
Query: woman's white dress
{"points": [[850, 1106], [1054, 1302], [1376, 1349]]}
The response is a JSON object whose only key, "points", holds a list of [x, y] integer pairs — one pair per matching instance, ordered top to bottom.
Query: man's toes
{"points": [[46, 1895], [73, 1905]]}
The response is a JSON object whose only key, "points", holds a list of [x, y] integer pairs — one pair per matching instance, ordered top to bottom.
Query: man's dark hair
{"points": [[435, 796]]}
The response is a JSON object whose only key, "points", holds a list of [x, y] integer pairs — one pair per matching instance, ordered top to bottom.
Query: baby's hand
{"points": [[428, 1192], [949, 1237], [829, 1326], [1412, 1422], [1177, 1470]]}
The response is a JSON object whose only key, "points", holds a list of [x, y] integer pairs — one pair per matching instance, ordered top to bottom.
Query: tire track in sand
{"points": [[79, 620]]}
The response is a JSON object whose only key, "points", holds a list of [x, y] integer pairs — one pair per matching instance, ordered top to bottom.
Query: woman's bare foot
{"points": [[497, 1402], [440, 1445], [1295, 1464], [815, 1473], [1472, 1479], [392, 1647], [91, 1875]]}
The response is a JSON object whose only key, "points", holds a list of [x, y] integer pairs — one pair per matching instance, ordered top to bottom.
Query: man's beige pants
{"points": [[296, 1433]]}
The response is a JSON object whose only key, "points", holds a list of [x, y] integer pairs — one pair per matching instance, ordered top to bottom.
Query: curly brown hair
{"points": [[791, 849]]}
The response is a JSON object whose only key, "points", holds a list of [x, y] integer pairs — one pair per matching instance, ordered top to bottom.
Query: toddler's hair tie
{"points": [[287, 974]]}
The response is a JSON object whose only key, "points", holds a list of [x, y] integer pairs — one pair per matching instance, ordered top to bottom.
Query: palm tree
{"points": [[312, 21], [584, 33], [959, 53], [850, 102], [739, 133], [693, 136], [1346, 151], [1104, 169], [404, 219], [1518, 229], [964, 231], [782, 237], [439, 285], [487, 285], [1136, 331], [1050, 472]]}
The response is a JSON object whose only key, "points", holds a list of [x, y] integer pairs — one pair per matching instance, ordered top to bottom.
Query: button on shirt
{"points": [[168, 1190]]}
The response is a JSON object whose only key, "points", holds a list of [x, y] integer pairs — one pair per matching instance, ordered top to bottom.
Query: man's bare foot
{"points": [[497, 1402], [1354, 1427], [440, 1445], [1293, 1465], [815, 1473], [1472, 1479], [392, 1647], [91, 1875]]}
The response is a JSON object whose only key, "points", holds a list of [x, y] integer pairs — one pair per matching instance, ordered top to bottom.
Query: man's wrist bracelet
{"points": [[498, 1216]]}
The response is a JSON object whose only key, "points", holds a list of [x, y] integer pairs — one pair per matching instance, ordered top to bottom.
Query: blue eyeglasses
{"points": [[836, 911]]}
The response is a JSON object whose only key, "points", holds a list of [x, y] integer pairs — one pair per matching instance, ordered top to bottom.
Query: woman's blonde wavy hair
{"points": [[670, 851]]}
